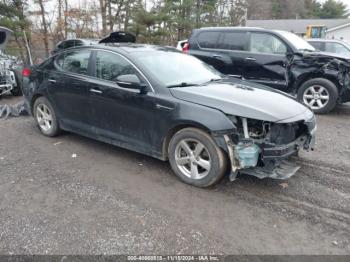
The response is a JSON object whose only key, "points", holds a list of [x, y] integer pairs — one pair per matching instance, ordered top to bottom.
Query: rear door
{"points": [[204, 45], [232, 50], [266, 61], [69, 88]]}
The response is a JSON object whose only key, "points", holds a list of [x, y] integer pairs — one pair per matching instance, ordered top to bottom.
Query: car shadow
{"points": [[341, 110], [162, 170]]}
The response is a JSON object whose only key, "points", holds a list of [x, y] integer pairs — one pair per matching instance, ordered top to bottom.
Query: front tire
{"points": [[321, 95], [45, 117], [195, 158]]}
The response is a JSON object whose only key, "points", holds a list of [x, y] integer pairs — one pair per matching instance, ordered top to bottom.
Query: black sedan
{"points": [[169, 105]]}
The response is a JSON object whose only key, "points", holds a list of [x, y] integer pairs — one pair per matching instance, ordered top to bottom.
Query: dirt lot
{"points": [[107, 200]]}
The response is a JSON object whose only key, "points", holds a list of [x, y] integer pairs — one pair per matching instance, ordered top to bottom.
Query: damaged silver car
{"points": [[9, 80]]}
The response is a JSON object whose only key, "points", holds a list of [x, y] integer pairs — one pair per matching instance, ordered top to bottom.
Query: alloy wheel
{"points": [[316, 97], [44, 117], [192, 158]]}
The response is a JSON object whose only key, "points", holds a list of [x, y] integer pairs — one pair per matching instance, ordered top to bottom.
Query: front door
{"points": [[266, 60], [121, 114]]}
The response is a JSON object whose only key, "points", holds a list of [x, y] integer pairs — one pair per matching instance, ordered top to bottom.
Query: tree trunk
{"points": [[103, 8], [197, 13], [127, 14], [110, 17], [65, 18], [43, 20], [60, 35], [20, 47]]}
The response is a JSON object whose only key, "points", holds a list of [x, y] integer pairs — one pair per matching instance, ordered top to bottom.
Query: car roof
{"points": [[243, 28], [84, 40], [324, 40], [129, 47]]}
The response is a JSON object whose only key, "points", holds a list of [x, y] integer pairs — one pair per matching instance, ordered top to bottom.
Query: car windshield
{"points": [[297, 41], [176, 69]]}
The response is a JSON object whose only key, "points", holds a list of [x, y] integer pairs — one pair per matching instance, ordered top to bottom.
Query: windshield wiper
{"points": [[307, 50], [216, 80], [183, 84]]}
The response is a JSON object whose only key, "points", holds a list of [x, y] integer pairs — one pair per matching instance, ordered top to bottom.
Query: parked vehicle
{"points": [[316, 31], [114, 37], [65, 44], [181, 45], [331, 46], [279, 59], [9, 73], [169, 105]]}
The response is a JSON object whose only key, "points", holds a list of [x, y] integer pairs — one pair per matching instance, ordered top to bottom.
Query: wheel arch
{"points": [[304, 78], [32, 101], [176, 128]]}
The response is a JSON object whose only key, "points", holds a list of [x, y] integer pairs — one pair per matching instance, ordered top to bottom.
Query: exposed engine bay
{"points": [[315, 64], [8, 65], [7, 76], [262, 149]]}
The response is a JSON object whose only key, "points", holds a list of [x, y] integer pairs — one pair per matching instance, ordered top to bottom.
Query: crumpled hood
{"points": [[5, 34], [319, 54], [243, 100]]}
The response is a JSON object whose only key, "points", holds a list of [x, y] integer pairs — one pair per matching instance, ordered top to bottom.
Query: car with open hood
{"points": [[114, 37], [279, 59], [9, 73], [169, 105]]}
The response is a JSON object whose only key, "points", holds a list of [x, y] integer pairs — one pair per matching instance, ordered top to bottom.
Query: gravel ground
{"points": [[107, 200]]}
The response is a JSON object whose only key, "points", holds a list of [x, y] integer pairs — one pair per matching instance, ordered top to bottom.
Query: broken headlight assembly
{"points": [[262, 148]]}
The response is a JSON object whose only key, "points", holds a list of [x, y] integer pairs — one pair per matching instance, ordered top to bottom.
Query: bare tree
{"points": [[103, 9], [44, 26]]}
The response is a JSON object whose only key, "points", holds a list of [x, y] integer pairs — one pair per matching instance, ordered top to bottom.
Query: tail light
{"points": [[186, 47], [26, 72]]}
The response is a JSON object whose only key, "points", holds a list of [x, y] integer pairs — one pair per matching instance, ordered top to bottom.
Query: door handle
{"points": [[217, 56], [250, 59], [51, 80], [95, 91], [166, 108]]}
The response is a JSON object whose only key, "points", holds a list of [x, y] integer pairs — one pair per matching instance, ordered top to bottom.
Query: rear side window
{"points": [[2, 37], [208, 39], [233, 41], [78, 43], [266, 43], [69, 44], [61, 45], [317, 45], [337, 48], [74, 61], [109, 66]]}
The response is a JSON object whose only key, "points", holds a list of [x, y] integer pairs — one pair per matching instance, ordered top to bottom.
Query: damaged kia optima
{"points": [[172, 106]]}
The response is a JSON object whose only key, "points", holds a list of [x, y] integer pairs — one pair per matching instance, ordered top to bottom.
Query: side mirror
{"points": [[131, 81]]}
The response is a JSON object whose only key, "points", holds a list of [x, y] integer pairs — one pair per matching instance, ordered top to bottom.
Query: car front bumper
{"points": [[274, 160]]}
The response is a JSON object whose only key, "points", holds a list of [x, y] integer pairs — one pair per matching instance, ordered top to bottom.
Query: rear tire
{"points": [[320, 94], [45, 117], [196, 159]]}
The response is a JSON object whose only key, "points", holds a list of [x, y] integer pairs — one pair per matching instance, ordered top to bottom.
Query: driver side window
{"points": [[266, 43], [109, 66]]}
